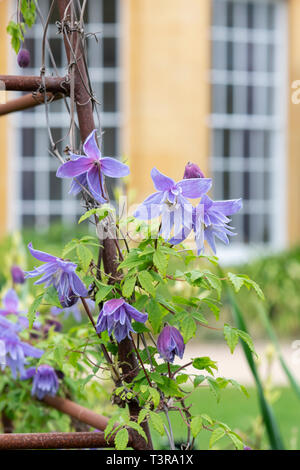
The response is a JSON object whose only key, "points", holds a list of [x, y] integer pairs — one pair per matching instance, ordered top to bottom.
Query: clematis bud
{"points": [[23, 58], [192, 171], [17, 275], [170, 343], [247, 448]]}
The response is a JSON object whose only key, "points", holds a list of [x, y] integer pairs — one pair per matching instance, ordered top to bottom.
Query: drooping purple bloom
{"points": [[23, 58], [89, 168], [192, 171], [170, 201], [210, 221], [59, 273], [17, 275], [10, 303], [116, 316], [170, 343], [17, 351], [45, 381], [247, 448]]}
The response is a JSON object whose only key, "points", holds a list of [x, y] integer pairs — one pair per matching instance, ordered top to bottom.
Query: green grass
{"points": [[239, 412]]}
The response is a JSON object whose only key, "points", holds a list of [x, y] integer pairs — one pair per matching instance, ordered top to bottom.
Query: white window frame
{"points": [[240, 252]]}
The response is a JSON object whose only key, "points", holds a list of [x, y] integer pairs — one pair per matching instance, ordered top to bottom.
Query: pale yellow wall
{"points": [[166, 58], [3, 120], [293, 163]]}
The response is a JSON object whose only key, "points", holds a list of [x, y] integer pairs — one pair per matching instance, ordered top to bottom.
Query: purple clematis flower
{"points": [[88, 169], [170, 201], [210, 220], [59, 273], [17, 275], [10, 303], [116, 316], [170, 343], [17, 351], [45, 381]]}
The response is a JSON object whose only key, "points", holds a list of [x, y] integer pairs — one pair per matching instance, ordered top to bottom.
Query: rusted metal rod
{"points": [[34, 83], [28, 101], [77, 411], [54, 440]]}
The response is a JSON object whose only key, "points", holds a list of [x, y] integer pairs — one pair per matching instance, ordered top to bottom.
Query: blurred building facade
{"points": [[207, 81]]}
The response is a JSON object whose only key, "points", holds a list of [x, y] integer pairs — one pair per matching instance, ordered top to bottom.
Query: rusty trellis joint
{"points": [[35, 83], [54, 440]]}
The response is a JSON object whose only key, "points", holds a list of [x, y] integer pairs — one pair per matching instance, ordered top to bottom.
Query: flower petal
{"points": [[90, 146], [73, 168], [113, 168], [93, 182], [161, 182], [194, 187], [228, 207], [40, 255], [77, 285], [11, 301], [112, 305], [135, 314]]}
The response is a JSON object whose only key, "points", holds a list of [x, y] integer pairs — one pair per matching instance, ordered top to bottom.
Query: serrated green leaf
{"points": [[85, 256], [160, 261], [236, 281], [146, 282], [128, 286], [103, 291], [51, 297], [33, 309], [155, 315], [188, 328], [231, 336], [247, 339], [205, 363], [182, 378], [214, 387], [155, 396], [157, 422], [196, 425], [136, 426], [216, 435], [121, 439], [237, 441]]}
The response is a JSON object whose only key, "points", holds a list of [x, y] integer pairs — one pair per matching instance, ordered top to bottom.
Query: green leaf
{"points": [[100, 212], [85, 256], [160, 261], [146, 280], [213, 281], [236, 281], [128, 286], [103, 291], [51, 297], [33, 309], [155, 314], [199, 317], [188, 328], [231, 336], [247, 339], [205, 363], [182, 378], [198, 380], [214, 387], [170, 388], [155, 396], [142, 415], [157, 422], [196, 425], [136, 426], [216, 435], [121, 439], [237, 441]]}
